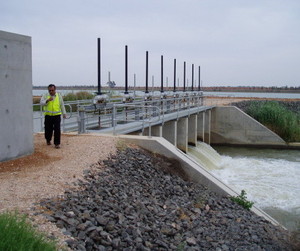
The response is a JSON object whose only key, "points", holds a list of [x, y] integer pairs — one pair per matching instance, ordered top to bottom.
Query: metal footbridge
{"points": [[127, 114]]}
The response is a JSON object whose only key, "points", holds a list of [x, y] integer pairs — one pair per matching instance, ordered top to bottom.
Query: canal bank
{"points": [[242, 125], [55, 170], [193, 170], [269, 176], [137, 200]]}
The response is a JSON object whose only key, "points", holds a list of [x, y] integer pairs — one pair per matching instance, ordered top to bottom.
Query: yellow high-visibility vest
{"points": [[52, 108]]}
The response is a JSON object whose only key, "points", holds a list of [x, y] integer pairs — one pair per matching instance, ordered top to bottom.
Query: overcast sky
{"points": [[236, 42]]}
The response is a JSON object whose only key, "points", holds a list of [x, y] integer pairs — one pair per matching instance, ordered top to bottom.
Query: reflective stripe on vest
{"points": [[52, 108]]}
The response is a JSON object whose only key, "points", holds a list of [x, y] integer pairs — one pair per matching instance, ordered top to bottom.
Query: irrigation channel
{"points": [[269, 176]]}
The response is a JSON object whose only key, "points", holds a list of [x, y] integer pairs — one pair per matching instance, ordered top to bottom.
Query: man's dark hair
{"points": [[51, 85]]}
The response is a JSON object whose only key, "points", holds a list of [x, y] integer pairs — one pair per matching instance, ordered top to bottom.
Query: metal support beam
{"points": [[99, 67], [126, 70], [162, 73], [184, 75], [192, 77], [199, 83], [174, 89], [146, 91], [209, 126], [203, 127]]}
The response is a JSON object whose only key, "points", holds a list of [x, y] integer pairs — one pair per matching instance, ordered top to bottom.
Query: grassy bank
{"points": [[277, 118], [17, 234]]}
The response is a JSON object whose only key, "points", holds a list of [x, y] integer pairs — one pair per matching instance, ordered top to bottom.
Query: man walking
{"points": [[53, 108]]}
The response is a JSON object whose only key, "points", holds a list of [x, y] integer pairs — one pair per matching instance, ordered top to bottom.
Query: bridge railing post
{"points": [[180, 102], [167, 106], [154, 109], [137, 113], [113, 119], [81, 122], [150, 129]]}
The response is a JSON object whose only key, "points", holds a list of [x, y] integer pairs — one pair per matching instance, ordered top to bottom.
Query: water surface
{"points": [[269, 176]]}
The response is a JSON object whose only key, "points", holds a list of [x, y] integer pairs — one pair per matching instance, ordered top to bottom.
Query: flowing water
{"points": [[271, 177]]}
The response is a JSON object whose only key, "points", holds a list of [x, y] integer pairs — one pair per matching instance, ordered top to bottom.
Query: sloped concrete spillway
{"points": [[205, 155]]}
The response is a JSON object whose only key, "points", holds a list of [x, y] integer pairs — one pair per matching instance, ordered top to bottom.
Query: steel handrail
{"points": [[173, 103], [143, 120]]}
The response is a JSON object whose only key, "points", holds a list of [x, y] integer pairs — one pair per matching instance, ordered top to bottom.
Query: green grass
{"points": [[78, 96], [277, 118], [242, 200], [16, 234]]}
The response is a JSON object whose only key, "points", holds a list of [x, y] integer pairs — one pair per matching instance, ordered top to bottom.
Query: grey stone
{"points": [[134, 204], [102, 221], [191, 241]]}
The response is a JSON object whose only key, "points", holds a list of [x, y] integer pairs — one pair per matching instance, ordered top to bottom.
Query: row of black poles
{"points": [[99, 67], [184, 68], [126, 70], [162, 73], [192, 77], [199, 83], [174, 89], [146, 91]]}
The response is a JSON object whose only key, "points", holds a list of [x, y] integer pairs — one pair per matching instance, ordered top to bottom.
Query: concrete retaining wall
{"points": [[16, 123], [230, 125]]}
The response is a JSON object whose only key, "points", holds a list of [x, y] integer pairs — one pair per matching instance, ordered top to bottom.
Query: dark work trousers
{"points": [[52, 123]]}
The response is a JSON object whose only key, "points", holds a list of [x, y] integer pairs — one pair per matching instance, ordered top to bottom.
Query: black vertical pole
{"points": [[99, 67], [184, 68], [126, 70], [146, 72], [162, 73], [192, 77], [199, 83], [174, 90]]}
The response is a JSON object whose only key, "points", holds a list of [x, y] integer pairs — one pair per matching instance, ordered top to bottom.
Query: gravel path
{"points": [[48, 172], [139, 202]]}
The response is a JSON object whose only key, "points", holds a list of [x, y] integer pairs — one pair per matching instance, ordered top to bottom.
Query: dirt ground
{"points": [[223, 101], [48, 172]]}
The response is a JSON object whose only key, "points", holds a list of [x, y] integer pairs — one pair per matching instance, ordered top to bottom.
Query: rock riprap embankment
{"points": [[137, 201]]}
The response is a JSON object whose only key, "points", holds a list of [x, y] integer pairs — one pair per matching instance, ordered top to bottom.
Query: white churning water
{"points": [[270, 177]]}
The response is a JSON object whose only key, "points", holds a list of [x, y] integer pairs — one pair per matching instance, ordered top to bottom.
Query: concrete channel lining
{"points": [[230, 125], [192, 169]]}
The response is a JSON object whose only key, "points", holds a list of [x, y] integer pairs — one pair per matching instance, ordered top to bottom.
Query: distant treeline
{"points": [[210, 88], [252, 89]]}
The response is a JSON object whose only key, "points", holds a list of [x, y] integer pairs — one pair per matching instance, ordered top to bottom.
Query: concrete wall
{"points": [[16, 123], [230, 125], [204, 126], [192, 129], [169, 131], [182, 134]]}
